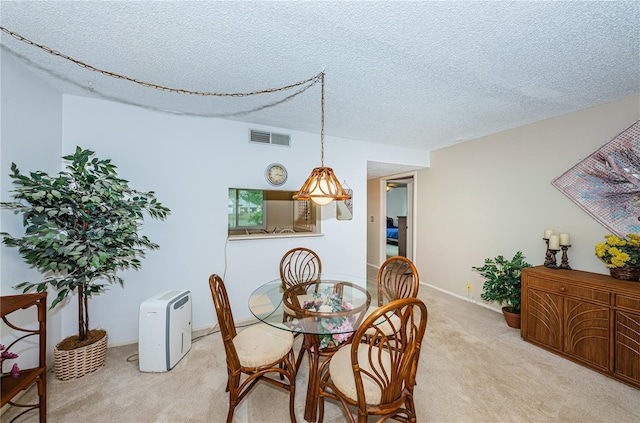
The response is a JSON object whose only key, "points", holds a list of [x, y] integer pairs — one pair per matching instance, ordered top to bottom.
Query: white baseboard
{"points": [[469, 300]]}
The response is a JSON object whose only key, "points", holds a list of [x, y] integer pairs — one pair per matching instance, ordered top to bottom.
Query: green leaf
{"points": [[81, 224], [502, 280], [61, 295]]}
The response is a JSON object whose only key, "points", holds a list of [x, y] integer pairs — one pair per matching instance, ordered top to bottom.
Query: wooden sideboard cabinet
{"points": [[589, 318], [12, 386]]}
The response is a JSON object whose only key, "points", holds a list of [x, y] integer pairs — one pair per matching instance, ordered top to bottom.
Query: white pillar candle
{"points": [[548, 233], [565, 238], [554, 242]]}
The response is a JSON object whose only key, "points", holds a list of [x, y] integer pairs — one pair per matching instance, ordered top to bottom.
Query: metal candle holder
{"points": [[550, 256], [550, 260], [565, 260]]}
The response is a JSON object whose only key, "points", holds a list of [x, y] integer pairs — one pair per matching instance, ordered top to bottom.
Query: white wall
{"points": [[30, 135], [190, 163], [494, 196]]}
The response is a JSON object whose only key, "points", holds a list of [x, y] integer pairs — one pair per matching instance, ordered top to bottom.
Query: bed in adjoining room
{"points": [[392, 232]]}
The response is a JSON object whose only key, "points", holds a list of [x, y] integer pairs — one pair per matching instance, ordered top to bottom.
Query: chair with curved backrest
{"points": [[299, 265], [397, 278], [254, 352], [377, 378]]}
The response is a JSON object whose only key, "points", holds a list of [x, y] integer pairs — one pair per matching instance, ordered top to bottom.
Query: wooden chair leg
{"points": [[233, 384], [292, 387], [412, 409], [320, 410]]}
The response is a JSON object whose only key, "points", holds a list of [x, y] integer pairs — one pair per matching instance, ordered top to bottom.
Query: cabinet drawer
{"points": [[570, 290], [630, 303]]}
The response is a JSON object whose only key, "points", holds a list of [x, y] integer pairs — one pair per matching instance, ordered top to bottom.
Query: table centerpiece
{"points": [[338, 329]]}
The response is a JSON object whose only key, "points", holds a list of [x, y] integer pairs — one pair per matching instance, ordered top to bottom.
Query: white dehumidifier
{"points": [[164, 330]]}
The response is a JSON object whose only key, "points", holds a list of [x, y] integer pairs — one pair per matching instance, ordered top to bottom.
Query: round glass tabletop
{"points": [[331, 304]]}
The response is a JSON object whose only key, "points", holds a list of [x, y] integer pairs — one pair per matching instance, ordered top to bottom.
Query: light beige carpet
{"points": [[473, 368]]}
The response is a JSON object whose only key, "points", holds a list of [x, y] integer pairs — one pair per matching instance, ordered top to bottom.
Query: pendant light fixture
{"points": [[322, 186]]}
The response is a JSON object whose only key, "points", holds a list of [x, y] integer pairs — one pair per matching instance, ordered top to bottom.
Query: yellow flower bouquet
{"points": [[619, 252]]}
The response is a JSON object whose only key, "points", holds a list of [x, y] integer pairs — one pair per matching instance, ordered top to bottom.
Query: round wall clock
{"points": [[276, 174]]}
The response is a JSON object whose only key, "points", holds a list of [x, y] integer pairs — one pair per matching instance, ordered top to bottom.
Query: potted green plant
{"points": [[82, 227], [502, 284]]}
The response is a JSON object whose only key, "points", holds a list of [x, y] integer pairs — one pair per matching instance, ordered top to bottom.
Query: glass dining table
{"points": [[326, 311]]}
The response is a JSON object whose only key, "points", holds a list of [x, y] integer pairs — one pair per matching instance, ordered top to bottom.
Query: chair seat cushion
{"points": [[384, 325], [261, 344], [341, 372]]}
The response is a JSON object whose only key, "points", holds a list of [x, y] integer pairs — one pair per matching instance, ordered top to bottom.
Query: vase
{"points": [[626, 273]]}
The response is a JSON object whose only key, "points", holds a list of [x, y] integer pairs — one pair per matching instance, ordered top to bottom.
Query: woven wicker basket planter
{"points": [[627, 273], [74, 364]]}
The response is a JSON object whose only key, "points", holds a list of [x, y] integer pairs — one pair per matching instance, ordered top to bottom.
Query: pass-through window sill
{"points": [[272, 236]]}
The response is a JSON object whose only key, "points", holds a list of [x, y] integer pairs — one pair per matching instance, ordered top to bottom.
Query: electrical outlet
{"points": [[468, 287]]}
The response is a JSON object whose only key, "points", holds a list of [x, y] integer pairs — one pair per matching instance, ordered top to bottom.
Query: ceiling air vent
{"points": [[263, 137]]}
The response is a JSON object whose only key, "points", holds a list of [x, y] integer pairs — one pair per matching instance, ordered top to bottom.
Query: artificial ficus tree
{"points": [[82, 227]]}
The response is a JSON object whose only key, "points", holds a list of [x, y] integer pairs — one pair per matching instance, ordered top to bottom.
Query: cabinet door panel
{"points": [[544, 318], [590, 318], [587, 332], [628, 345]]}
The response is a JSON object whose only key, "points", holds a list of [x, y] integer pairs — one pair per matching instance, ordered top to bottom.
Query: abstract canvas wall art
{"points": [[606, 184]]}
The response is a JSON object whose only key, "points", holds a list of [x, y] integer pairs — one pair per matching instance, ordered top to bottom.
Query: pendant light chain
{"points": [[87, 66], [322, 118], [321, 187]]}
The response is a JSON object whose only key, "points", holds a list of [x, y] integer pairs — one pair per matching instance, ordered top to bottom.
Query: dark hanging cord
{"points": [[313, 80]]}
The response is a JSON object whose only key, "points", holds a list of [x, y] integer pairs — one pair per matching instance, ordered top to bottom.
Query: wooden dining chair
{"points": [[298, 265], [397, 278], [252, 354], [377, 378]]}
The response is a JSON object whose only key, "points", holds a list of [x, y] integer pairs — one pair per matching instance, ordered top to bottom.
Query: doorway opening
{"points": [[397, 203]]}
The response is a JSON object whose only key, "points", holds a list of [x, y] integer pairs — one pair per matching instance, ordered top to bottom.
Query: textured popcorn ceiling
{"points": [[416, 74]]}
